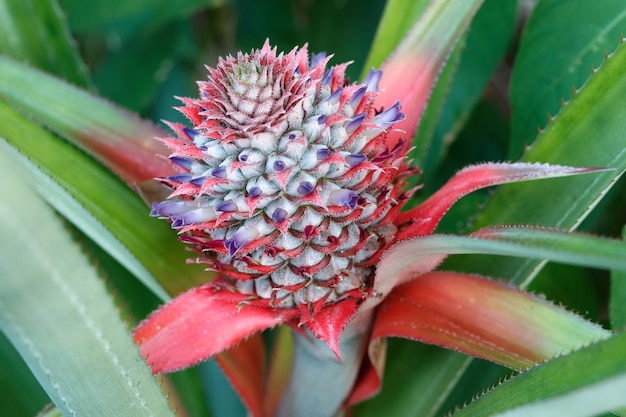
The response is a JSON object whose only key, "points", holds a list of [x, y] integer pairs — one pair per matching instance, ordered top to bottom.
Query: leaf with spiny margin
{"points": [[35, 31], [488, 39], [561, 42], [589, 131], [117, 138], [99, 204], [408, 259], [57, 313], [482, 317], [417, 380], [585, 383], [20, 393]]}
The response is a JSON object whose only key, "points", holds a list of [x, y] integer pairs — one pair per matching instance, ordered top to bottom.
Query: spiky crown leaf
{"points": [[288, 188]]}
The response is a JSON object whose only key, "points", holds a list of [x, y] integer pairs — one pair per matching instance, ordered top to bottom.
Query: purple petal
{"points": [[317, 58], [328, 77], [372, 79], [334, 97], [356, 98], [389, 116], [321, 120], [354, 123], [190, 132], [323, 154], [354, 160], [182, 162], [279, 165], [219, 172], [186, 177], [198, 181], [305, 188], [255, 191], [346, 198], [227, 206], [170, 208], [279, 215], [196, 216], [244, 235]]}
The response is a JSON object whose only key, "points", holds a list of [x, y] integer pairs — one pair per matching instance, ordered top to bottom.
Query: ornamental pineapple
{"points": [[288, 187]]}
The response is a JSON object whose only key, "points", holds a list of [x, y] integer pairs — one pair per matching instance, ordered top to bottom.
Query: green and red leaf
{"points": [[483, 318], [199, 324]]}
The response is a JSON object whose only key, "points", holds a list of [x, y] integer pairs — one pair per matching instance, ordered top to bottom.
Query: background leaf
{"points": [[34, 31], [489, 37], [559, 46], [587, 132], [617, 303], [60, 318], [21, 394]]}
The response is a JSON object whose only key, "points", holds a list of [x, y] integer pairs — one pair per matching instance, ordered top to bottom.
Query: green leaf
{"points": [[397, 19], [35, 31], [487, 41], [561, 42], [587, 132], [116, 137], [100, 205], [617, 302], [57, 313], [581, 384], [20, 393]]}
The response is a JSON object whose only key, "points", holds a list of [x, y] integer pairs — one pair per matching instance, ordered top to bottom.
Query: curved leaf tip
{"points": [[484, 318], [199, 324]]}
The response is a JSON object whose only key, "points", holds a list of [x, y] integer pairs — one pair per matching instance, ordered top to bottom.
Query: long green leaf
{"points": [[35, 31], [488, 38], [561, 42], [589, 131], [119, 139], [100, 205], [56, 312], [580, 384]]}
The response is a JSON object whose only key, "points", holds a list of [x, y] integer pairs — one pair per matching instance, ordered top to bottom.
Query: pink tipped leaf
{"points": [[411, 71], [120, 140], [423, 219], [484, 318], [329, 323], [199, 324]]}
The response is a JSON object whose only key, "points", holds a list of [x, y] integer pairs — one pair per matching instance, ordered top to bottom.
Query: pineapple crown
{"points": [[288, 187]]}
